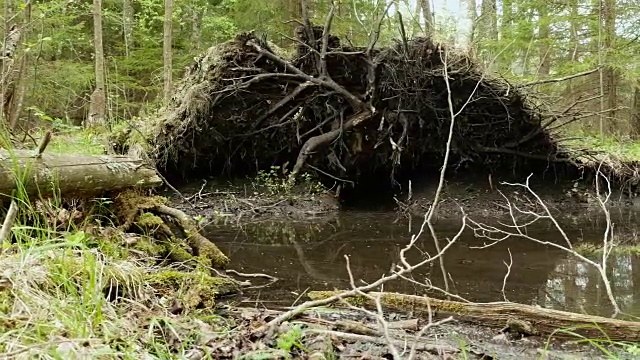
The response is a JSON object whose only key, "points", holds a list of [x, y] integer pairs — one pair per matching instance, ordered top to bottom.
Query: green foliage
{"points": [[624, 149], [277, 183], [291, 339]]}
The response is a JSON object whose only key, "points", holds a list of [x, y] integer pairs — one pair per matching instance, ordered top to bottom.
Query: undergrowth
{"points": [[622, 148], [74, 287]]}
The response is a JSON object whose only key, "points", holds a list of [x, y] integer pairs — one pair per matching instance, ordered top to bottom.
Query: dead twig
{"points": [[560, 79]]}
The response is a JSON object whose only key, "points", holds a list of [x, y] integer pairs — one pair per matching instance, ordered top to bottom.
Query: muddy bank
{"points": [[480, 196], [487, 196], [242, 201]]}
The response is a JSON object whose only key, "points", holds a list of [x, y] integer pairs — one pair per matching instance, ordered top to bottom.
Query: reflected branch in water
{"points": [[517, 229], [506, 276], [271, 325]]}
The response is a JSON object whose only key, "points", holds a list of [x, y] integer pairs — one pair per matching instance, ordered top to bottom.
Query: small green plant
{"points": [[273, 181], [276, 182], [291, 339]]}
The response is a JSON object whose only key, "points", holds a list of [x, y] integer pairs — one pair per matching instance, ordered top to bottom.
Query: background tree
{"points": [[522, 40], [167, 50], [97, 110]]}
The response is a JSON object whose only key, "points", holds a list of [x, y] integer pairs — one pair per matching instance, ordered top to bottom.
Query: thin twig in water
{"points": [[506, 276]]}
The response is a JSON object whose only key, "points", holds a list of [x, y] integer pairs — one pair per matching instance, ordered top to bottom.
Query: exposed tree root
{"points": [[133, 209], [202, 246]]}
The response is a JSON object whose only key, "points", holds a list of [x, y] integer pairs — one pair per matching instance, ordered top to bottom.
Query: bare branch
{"points": [[325, 41], [560, 79]]}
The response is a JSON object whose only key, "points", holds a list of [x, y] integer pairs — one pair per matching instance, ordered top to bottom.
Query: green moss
{"points": [[129, 203], [149, 220], [149, 247], [177, 253], [210, 254], [194, 289]]}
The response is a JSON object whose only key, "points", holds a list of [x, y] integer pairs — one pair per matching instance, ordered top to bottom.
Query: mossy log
{"points": [[78, 175], [192, 289], [498, 314]]}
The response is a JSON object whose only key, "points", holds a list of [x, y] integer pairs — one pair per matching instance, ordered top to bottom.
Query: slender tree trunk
{"points": [[293, 13], [473, 16], [427, 17], [489, 20], [127, 26], [196, 27], [573, 38], [544, 48], [167, 51], [7, 58], [610, 75], [17, 100], [97, 107], [635, 131]]}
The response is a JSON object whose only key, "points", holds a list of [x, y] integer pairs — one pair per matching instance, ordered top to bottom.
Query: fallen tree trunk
{"points": [[79, 175], [500, 314]]}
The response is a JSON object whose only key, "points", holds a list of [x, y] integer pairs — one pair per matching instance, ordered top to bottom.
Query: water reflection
{"points": [[311, 256], [577, 286]]}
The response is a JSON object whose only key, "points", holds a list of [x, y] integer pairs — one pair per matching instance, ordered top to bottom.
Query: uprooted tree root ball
{"points": [[348, 112]]}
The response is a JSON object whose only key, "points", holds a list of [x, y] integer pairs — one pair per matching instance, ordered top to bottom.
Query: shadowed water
{"points": [[310, 256]]}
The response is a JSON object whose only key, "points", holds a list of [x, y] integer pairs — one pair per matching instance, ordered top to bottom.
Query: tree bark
{"points": [[196, 15], [427, 16], [473, 16], [609, 18], [489, 20], [127, 26], [573, 38], [166, 49], [544, 65], [17, 100], [98, 105], [635, 113], [80, 175], [543, 321]]}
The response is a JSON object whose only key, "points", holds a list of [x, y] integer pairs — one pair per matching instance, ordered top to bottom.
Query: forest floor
{"points": [[68, 294]]}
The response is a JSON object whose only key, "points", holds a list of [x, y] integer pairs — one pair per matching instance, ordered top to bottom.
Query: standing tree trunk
{"points": [[292, 14], [427, 16], [473, 16], [489, 20], [574, 20], [127, 25], [196, 27], [10, 43], [166, 49], [544, 65], [610, 75], [17, 100], [97, 107], [635, 118]]}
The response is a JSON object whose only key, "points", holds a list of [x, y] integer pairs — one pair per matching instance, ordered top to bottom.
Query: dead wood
{"points": [[72, 175], [202, 246], [543, 321], [421, 346]]}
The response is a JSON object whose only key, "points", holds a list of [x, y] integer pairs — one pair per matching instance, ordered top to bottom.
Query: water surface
{"points": [[310, 256]]}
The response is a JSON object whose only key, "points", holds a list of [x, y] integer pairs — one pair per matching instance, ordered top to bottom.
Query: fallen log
{"points": [[72, 175], [498, 314]]}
